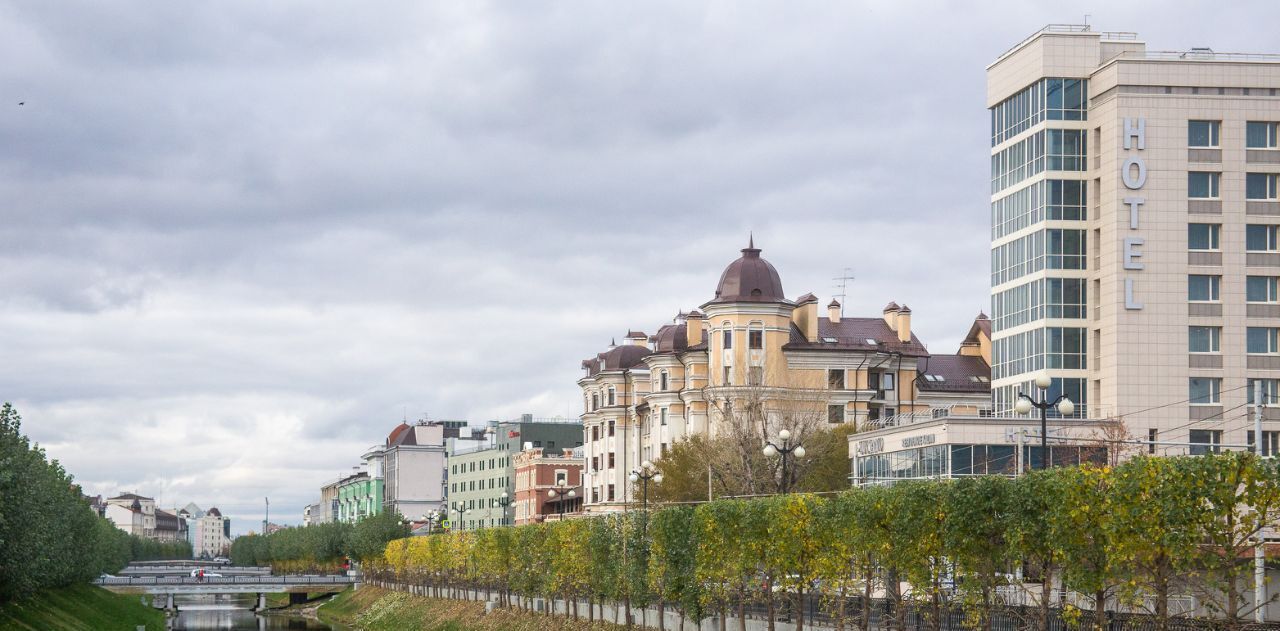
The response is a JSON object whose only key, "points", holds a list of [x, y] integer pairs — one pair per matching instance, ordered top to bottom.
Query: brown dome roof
{"points": [[750, 279], [671, 338], [617, 358]]}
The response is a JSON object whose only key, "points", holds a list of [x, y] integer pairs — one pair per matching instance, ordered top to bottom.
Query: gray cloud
{"points": [[240, 241]]}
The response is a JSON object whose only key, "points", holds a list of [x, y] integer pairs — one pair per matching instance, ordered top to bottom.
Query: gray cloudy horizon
{"points": [[242, 240]]}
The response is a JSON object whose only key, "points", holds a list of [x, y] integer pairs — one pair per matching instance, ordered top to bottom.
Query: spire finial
{"points": [[751, 241]]}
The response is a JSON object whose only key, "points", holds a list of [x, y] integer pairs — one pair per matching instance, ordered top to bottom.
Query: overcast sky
{"points": [[241, 240]]}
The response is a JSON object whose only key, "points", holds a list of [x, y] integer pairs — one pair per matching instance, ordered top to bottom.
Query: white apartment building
{"points": [[1134, 252], [213, 534]]}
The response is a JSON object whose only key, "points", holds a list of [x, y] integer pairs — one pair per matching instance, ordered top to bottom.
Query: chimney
{"points": [[833, 312], [891, 315], [805, 316], [904, 324], [693, 328], [637, 338]]}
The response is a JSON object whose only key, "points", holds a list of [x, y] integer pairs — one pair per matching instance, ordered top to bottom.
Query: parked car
{"points": [[196, 574]]}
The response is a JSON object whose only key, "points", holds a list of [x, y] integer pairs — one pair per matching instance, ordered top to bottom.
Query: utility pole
{"points": [[266, 515], [1259, 563]]}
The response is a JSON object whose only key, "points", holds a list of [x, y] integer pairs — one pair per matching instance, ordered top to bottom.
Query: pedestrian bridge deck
{"points": [[225, 584]]}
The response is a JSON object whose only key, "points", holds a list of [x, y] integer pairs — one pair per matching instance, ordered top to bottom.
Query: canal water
{"points": [[233, 612]]}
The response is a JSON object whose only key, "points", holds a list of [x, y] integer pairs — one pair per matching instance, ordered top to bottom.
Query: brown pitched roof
{"points": [[980, 324], [852, 334], [617, 358], [958, 373], [402, 435], [129, 496]]}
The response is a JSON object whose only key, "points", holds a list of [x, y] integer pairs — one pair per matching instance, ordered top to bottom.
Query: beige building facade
{"points": [[1134, 232], [752, 355]]}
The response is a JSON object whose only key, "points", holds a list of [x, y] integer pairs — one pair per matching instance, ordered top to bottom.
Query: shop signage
{"points": [[919, 441], [870, 446]]}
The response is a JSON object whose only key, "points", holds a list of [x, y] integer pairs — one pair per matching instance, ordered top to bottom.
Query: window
{"points": [[1047, 99], [1203, 133], [1259, 135], [1066, 149], [1203, 185], [1260, 186], [1203, 236], [1260, 238], [1203, 288], [1262, 289], [728, 338], [755, 339], [1204, 339], [1262, 340], [728, 375], [835, 378], [662, 381], [886, 381], [1205, 390], [1270, 391], [611, 396], [595, 402], [835, 413], [662, 415], [611, 428], [595, 433], [1151, 438], [1207, 440], [1270, 442], [537, 444], [612, 460], [595, 463], [610, 492]]}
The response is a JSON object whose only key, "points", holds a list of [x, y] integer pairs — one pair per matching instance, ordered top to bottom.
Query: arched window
{"points": [[611, 398]]}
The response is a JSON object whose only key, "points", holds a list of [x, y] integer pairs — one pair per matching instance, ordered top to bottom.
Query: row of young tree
{"points": [[1139, 534], [49, 536], [319, 547]]}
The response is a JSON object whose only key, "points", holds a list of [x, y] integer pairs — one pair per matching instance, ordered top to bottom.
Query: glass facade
{"points": [[1047, 99], [1048, 150], [1062, 197], [1046, 200], [1054, 248], [1038, 299], [1039, 349], [948, 461]]}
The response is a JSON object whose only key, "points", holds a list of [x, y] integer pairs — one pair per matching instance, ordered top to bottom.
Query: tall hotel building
{"points": [[1134, 216]]}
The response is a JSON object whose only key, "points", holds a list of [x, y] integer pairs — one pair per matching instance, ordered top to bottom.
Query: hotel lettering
{"points": [[1133, 173]]}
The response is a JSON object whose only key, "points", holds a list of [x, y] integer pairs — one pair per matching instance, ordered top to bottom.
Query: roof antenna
{"points": [[1086, 19], [843, 285]]}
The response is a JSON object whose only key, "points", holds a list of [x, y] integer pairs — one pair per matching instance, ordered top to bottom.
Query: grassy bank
{"points": [[80, 607], [375, 609]]}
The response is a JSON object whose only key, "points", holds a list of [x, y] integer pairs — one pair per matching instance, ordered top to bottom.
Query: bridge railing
{"points": [[130, 581]]}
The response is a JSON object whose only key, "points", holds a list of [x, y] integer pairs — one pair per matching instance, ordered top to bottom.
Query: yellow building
{"points": [[752, 360]]}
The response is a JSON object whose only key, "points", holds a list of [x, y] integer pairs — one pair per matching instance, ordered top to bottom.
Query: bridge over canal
{"points": [[260, 585]]}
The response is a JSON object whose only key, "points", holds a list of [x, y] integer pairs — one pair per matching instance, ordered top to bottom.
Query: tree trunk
{"points": [[1046, 593], [768, 594], [799, 607], [1100, 610], [742, 611], [662, 617]]}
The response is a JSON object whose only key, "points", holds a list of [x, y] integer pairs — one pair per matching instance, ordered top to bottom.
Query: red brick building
{"points": [[537, 475]]}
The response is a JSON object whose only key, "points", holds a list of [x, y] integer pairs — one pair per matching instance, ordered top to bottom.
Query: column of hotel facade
{"points": [[1134, 230]]}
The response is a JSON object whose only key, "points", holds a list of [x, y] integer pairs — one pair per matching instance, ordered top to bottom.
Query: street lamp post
{"points": [[1062, 403], [785, 451], [644, 474], [561, 490], [503, 502], [460, 510]]}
